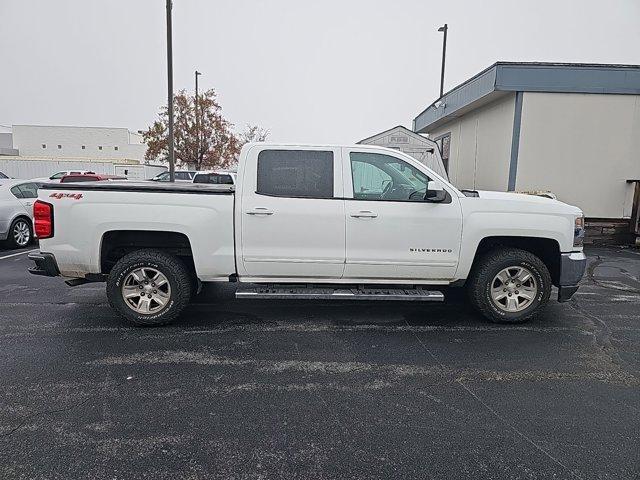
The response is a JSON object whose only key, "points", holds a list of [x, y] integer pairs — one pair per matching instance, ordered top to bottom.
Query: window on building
{"points": [[44, 145], [444, 145], [59, 147], [83, 147], [99, 147], [115, 148], [295, 173], [383, 177]]}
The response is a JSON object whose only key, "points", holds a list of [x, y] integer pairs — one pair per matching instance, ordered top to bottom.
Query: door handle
{"points": [[29, 204], [259, 211], [364, 214]]}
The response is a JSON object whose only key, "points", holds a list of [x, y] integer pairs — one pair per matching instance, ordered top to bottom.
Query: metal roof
{"points": [[501, 78], [404, 130]]}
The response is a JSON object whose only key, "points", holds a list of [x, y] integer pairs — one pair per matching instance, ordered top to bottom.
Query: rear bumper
{"points": [[45, 264], [572, 267]]}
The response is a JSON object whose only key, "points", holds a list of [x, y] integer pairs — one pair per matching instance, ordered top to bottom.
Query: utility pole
{"points": [[444, 29], [197, 120], [172, 167]]}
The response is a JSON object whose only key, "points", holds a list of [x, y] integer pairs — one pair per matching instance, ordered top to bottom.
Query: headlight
{"points": [[578, 231]]}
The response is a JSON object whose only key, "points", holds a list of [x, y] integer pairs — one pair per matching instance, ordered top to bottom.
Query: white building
{"points": [[572, 129], [58, 142], [418, 146], [28, 151]]}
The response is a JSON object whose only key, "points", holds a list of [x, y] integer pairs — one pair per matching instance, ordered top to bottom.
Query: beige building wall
{"points": [[480, 148], [583, 148]]}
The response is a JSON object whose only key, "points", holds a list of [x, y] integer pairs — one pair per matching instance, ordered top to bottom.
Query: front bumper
{"points": [[45, 264], [572, 267]]}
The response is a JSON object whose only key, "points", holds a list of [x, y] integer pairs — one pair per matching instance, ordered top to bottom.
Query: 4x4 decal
{"points": [[75, 196]]}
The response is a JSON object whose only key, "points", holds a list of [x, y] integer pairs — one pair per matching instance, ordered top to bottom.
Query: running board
{"points": [[301, 293]]}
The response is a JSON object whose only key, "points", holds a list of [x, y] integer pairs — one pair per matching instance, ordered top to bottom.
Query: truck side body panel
{"points": [[530, 217], [81, 220], [288, 239]]}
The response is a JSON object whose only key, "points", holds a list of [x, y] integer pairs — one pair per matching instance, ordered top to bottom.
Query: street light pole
{"points": [[444, 29], [197, 119], [172, 168]]}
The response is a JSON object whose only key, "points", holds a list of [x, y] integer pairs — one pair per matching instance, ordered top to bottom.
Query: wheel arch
{"points": [[24, 216], [115, 244], [547, 249]]}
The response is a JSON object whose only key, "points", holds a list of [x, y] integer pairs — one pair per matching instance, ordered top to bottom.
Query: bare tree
{"points": [[253, 133], [209, 142]]}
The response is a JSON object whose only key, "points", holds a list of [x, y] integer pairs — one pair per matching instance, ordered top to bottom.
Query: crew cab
{"points": [[326, 222]]}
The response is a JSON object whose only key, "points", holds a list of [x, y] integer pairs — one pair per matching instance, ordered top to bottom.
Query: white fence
{"points": [[44, 168]]}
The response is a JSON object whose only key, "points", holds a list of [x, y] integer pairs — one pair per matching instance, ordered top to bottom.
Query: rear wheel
{"points": [[20, 233], [509, 285], [149, 287]]}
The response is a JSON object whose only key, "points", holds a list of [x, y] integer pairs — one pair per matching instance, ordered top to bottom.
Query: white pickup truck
{"points": [[311, 222]]}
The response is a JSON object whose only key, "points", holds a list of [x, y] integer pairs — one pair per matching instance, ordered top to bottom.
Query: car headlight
{"points": [[578, 231]]}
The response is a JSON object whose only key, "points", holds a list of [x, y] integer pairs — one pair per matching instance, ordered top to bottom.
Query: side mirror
{"points": [[435, 192]]}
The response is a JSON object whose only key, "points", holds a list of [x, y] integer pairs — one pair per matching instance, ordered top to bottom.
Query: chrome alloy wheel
{"points": [[21, 233], [513, 289], [146, 290]]}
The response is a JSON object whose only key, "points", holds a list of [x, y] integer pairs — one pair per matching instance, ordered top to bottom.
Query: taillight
{"points": [[43, 219]]}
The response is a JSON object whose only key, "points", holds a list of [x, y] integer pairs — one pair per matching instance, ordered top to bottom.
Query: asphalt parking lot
{"points": [[292, 390]]}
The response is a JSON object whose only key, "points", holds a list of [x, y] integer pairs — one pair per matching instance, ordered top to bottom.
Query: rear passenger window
{"points": [[295, 173], [79, 178], [213, 178], [29, 190], [16, 192]]}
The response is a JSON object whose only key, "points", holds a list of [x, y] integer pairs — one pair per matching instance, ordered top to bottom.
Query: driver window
{"points": [[383, 177]]}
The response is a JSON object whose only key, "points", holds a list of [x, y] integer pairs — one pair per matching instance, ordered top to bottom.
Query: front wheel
{"points": [[509, 285], [149, 287]]}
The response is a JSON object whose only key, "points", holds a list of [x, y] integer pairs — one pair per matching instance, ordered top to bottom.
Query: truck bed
{"points": [[88, 215]]}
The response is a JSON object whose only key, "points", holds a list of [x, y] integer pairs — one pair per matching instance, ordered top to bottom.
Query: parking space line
{"points": [[19, 253]]}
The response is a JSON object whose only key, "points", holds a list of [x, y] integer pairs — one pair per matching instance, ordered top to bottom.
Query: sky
{"points": [[309, 71]]}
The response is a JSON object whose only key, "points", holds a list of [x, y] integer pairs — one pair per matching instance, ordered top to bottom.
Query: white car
{"points": [[179, 175], [56, 177], [217, 177], [16, 211], [325, 222]]}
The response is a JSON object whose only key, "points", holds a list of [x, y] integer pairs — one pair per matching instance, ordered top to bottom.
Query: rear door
{"points": [[28, 192], [291, 213]]}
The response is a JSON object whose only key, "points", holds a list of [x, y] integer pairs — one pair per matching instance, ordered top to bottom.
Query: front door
{"points": [[291, 215], [392, 232]]}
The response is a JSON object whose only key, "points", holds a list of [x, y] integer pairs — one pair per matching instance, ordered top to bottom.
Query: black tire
{"points": [[19, 222], [170, 266], [485, 270]]}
